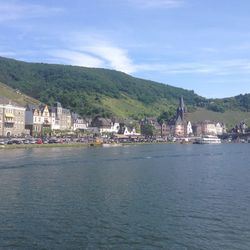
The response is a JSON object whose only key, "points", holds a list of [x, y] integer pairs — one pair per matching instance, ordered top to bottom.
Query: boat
{"points": [[208, 139], [107, 145]]}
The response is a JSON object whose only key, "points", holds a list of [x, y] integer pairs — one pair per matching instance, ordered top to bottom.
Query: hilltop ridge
{"points": [[91, 91], [109, 93]]}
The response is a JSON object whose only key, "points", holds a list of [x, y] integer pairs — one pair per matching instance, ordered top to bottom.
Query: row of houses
{"points": [[38, 120], [180, 126]]}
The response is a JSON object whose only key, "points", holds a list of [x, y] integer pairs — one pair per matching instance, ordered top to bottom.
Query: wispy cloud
{"points": [[157, 3], [14, 11], [101, 50], [94, 51], [97, 57], [76, 58], [116, 58], [215, 67]]}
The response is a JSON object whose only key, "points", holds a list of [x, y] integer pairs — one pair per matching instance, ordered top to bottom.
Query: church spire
{"points": [[181, 103], [181, 109]]}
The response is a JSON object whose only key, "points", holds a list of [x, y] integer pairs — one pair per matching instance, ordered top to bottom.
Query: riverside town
{"points": [[55, 124]]}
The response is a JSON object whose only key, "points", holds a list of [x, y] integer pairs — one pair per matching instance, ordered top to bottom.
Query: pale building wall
{"points": [[12, 122], [79, 124], [189, 128], [210, 129], [219, 129], [179, 130]]}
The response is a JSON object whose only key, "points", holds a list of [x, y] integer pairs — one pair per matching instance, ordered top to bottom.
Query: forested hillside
{"points": [[91, 91]]}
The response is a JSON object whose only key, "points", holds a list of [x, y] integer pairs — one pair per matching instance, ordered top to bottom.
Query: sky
{"points": [[197, 45]]}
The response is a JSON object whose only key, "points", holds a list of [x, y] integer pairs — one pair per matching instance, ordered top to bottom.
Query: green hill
{"points": [[92, 91], [16, 96], [229, 117]]}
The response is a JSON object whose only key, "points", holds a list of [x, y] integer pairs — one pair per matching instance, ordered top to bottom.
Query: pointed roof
{"points": [[181, 103], [179, 121]]}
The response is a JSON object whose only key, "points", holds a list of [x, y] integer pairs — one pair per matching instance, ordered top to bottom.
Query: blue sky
{"points": [[194, 44]]}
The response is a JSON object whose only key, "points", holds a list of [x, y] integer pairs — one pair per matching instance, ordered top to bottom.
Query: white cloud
{"points": [[157, 3], [14, 11], [95, 51], [99, 51], [98, 56], [115, 57], [76, 58]]}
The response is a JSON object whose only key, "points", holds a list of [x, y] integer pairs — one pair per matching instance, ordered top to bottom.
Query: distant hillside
{"points": [[93, 91], [16, 96], [237, 103], [229, 117]]}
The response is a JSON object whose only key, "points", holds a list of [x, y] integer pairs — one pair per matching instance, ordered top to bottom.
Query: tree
{"points": [[216, 107], [165, 116], [148, 130]]}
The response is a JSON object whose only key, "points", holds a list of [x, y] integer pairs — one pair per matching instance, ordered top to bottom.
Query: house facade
{"points": [[61, 117], [12, 119], [37, 119], [41, 119], [78, 123], [105, 125], [208, 128], [127, 130]]}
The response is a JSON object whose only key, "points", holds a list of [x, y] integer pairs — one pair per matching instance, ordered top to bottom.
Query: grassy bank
{"points": [[57, 145]]}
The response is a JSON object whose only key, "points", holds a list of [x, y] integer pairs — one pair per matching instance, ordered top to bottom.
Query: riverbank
{"points": [[58, 145], [76, 145]]}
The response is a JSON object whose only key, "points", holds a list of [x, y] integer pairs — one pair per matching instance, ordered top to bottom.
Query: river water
{"points": [[128, 197]]}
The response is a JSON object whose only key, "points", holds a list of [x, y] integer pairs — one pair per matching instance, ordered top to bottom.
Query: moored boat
{"points": [[208, 139]]}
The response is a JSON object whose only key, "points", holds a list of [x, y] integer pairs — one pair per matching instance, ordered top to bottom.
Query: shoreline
{"points": [[74, 145], [78, 145], [27, 146]]}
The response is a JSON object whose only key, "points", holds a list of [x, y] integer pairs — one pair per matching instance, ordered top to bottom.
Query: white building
{"points": [[61, 118], [37, 119], [78, 123], [105, 125], [220, 128], [189, 129]]}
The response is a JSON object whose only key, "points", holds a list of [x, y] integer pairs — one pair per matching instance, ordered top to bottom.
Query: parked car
{"points": [[15, 141], [32, 141], [39, 141], [52, 141], [3, 142]]}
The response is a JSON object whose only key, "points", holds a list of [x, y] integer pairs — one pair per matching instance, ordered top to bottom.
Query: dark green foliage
{"points": [[83, 89], [244, 101], [240, 103], [216, 107], [166, 116], [148, 130]]}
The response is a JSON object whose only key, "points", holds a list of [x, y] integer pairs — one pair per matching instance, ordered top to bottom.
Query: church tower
{"points": [[181, 110], [180, 122]]}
